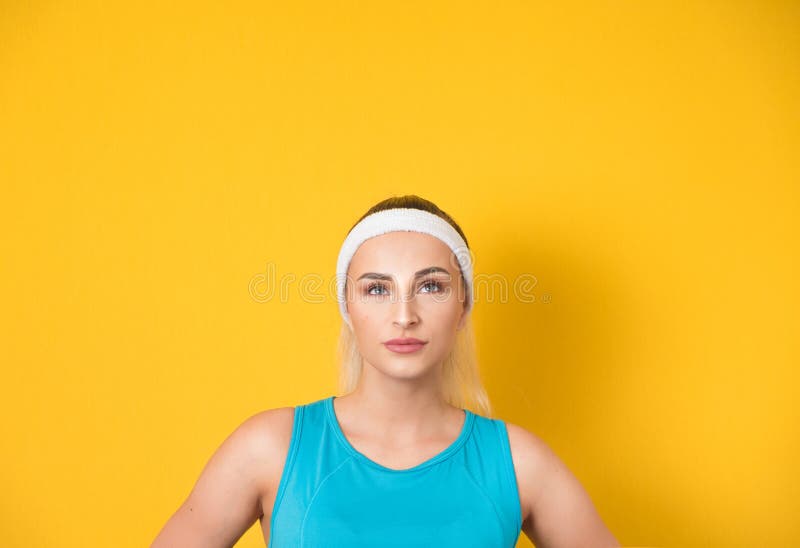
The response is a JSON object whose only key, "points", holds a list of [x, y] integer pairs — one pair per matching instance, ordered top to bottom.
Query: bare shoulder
{"points": [[269, 425], [272, 429], [267, 434], [259, 445], [531, 455], [228, 497], [557, 511]]}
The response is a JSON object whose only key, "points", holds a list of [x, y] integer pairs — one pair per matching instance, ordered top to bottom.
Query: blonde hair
{"points": [[461, 382]]}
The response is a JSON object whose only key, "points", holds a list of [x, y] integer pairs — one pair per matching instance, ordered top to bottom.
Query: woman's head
{"points": [[403, 281], [400, 285]]}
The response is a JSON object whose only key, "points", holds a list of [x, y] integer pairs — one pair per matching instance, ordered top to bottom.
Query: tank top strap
{"points": [[313, 454], [487, 456]]}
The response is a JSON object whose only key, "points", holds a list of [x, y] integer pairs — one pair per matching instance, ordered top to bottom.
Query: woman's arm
{"points": [[226, 499], [557, 511]]}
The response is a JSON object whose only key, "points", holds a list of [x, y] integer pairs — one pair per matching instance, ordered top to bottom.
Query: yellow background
{"points": [[639, 159]]}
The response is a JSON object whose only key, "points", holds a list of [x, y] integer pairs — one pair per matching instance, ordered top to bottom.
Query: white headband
{"points": [[401, 219]]}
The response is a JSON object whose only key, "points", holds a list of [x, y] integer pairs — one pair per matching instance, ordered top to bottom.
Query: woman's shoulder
{"points": [[273, 418], [268, 432], [265, 437], [262, 439], [526, 443], [526, 446], [532, 457], [236, 485], [565, 514]]}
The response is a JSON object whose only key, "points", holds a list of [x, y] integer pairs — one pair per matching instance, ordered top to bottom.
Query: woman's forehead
{"points": [[402, 250]]}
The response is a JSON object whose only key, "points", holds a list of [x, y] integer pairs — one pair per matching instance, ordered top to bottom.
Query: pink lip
{"points": [[408, 340], [405, 346]]}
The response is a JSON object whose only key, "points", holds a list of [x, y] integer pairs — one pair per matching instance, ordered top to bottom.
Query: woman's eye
{"points": [[435, 285], [374, 286]]}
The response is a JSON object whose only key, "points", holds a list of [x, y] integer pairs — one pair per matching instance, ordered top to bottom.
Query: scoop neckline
{"points": [[466, 428]]}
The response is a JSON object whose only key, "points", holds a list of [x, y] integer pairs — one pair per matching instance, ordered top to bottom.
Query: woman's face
{"points": [[405, 285]]}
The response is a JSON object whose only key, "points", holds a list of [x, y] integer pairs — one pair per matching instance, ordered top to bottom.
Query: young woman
{"points": [[409, 455]]}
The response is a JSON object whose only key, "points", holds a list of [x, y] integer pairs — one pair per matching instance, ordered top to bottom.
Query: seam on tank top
{"points": [[297, 427], [510, 472], [314, 496], [497, 512]]}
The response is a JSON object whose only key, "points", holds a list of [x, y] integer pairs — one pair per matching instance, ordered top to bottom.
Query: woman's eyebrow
{"points": [[417, 274]]}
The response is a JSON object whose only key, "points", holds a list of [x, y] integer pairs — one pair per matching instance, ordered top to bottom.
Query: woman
{"points": [[400, 459]]}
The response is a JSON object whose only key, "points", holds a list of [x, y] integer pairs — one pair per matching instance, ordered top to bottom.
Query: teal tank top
{"points": [[330, 495]]}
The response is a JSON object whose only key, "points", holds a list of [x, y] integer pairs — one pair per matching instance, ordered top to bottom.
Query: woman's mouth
{"points": [[405, 346]]}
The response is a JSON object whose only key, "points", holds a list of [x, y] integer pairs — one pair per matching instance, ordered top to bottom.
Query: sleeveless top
{"points": [[331, 495]]}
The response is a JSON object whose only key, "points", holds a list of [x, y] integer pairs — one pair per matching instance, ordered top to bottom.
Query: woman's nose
{"points": [[405, 312]]}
